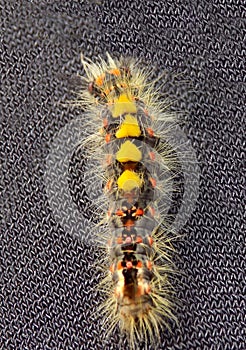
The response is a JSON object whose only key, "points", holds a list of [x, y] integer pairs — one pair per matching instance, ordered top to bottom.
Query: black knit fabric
{"points": [[48, 281]]}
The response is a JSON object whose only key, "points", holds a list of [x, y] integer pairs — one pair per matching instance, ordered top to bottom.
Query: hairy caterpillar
{"points": [[135, 165]]}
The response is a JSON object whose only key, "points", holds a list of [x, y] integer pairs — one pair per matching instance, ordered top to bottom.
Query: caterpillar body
{"points": [[135, 166]]}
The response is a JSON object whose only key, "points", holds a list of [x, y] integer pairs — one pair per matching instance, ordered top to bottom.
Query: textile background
{"points": [[47, 280]]}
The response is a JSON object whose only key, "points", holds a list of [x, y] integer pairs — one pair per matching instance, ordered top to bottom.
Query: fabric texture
{"points": [[48, 281]]}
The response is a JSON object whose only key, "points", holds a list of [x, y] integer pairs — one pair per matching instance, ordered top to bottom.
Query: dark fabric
{"points": [[47, 281]]}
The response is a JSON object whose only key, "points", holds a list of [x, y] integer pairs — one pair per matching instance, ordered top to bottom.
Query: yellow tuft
{"points": [[123, 104], [129, 128], [128, 152], [129, 180]]}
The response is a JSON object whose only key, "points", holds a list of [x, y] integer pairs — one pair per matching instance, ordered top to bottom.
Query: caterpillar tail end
{"points": [[141, 307]]}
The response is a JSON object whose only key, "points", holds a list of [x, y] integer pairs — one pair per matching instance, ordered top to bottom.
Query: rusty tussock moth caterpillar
{"points": [[135, 165]]}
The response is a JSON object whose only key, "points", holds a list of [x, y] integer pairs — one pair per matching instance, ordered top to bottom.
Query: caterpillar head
{"points": [[110, 83]]}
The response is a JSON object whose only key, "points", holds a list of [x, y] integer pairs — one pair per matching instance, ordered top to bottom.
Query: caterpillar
{"points": [[126, 124]]}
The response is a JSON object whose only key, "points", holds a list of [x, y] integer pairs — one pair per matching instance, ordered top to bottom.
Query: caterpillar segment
{"points": [[138, 287]]}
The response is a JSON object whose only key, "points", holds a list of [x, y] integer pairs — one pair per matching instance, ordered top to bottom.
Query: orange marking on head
{"points": [[114, 71], [99, 80], [150, 132]]}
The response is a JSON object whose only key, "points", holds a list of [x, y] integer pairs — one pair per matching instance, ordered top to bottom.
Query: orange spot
{"points": [[115, 72], [99, 80], [150, 132], [107, 138], [152, 155], [153, 181], [119, 212], [139, 212], [139, 239], [151, 241], [139, 264], [111, 269]]}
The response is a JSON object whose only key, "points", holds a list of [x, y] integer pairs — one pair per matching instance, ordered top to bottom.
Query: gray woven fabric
{"points": [[47, 282]]}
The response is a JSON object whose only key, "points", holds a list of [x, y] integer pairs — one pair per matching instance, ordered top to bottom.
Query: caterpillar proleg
{"points": [[127, 125]]}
